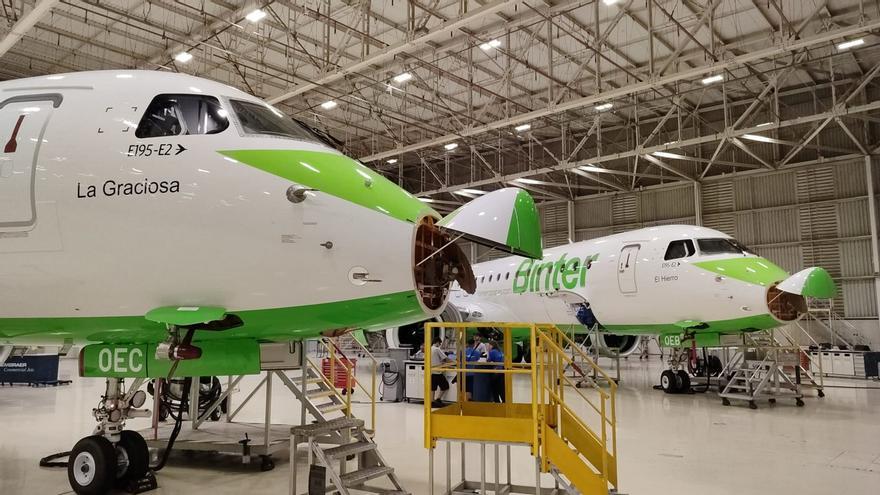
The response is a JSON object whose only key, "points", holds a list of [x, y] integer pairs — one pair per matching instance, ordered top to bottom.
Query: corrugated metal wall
{"points": [[811, 216]]}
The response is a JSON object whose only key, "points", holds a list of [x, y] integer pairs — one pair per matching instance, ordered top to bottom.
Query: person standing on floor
{"points": [[471, 355], [494, 355], [439, 383]]}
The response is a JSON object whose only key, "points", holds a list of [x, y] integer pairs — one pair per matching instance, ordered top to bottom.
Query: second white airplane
{"points": [[681, 282]]}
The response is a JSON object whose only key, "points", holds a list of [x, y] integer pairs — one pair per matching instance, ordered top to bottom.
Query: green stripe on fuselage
{"points": [[337, 175], [758, 271], [277, 324]]}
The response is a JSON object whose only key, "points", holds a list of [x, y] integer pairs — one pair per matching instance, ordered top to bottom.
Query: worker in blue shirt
{"points": [[471, 354], [494, 355]]}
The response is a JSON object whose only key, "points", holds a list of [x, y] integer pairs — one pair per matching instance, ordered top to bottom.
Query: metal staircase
{"points": [[769, 364], [569, 423], [334, 436], [347, 439], [581, 458]]}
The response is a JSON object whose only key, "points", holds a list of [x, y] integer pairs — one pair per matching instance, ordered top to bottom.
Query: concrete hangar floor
{"points": [[668, 444]]}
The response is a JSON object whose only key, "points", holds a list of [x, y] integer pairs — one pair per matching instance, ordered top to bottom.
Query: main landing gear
{"points": [[112, 457]]}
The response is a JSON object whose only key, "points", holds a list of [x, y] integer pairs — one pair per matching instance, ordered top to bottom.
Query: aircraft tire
{"points": [[684, 381], [668, 382], [138, 455], [92, 466]]}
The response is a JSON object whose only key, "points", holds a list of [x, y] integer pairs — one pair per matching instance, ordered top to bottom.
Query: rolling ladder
{"points": [[769, 364], [570, 431], [335, 437]]}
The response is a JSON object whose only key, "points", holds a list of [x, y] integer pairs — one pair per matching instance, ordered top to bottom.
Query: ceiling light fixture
{"points": [[610, 2], [255, 16], [490, 45], [846, 45], [183, 57], [402, 78], [713, 79], [329, 105], [604, 106], [765, 124], [522, 127], [756, 137], [450, 146], [666, 154], [392, 161], [523, 180], [472, 191], [426, 200]]}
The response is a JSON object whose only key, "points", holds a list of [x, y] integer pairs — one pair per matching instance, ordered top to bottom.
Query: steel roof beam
{"points": [[25, 23], [689, 74]]}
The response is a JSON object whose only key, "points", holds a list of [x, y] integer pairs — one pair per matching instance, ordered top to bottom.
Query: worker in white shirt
{"points": [[439, 384]]}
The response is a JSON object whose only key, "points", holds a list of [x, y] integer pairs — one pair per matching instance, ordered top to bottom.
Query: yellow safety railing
{"points": [[339, 362], [550, 421]]}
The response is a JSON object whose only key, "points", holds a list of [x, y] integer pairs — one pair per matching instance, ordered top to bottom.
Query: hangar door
{"points": [[23, 121]]}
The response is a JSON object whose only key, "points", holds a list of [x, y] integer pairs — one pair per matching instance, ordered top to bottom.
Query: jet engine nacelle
{"points": [[413, 335], [608, 343], [625, 344]]}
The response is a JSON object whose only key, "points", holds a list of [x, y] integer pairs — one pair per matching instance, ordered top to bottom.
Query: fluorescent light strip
{"points": [[255, 16], [846, 45], [183, 57], [402, 78], [713, 79], [329, 105], [604, 106], [522, 128], [756, 137], [450, 146]]}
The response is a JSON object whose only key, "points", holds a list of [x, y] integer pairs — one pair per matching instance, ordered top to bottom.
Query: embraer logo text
{"points": [[534, 276]]}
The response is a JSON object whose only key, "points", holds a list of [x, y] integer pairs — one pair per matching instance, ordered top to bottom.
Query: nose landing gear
{"points": [[676, 380], [113, 457]]}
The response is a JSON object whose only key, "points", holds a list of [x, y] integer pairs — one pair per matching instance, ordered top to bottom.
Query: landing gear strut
{"points": [[111, 456]]}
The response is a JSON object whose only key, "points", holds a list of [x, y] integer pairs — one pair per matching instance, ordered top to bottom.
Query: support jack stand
{"points": [[142, 485]]}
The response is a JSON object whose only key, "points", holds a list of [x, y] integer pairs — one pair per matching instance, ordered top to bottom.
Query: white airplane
{"points": [[172, 224], [684, 283]]}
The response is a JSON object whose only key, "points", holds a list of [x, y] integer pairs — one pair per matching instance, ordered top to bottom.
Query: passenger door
{"points": [[23, 121], [626, 268]]}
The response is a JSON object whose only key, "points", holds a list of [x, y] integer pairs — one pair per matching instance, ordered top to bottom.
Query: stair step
{"points": [[319, 393], [330, 407], [315, 429], [350, 449], [361, 476]]}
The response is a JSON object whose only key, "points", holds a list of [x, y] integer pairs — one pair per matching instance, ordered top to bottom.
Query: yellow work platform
{"points": [[552, 422]]}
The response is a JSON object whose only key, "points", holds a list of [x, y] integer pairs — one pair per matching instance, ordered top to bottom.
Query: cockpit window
{"points": [[176, 115], [256, 118], [721, 246], [679, 249]]}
